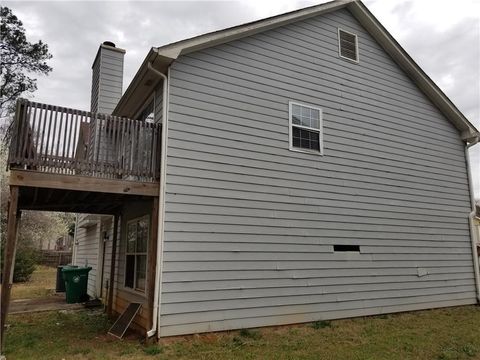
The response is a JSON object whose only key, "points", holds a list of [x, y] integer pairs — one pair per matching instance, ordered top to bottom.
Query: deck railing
{"points": [[61, 140]]}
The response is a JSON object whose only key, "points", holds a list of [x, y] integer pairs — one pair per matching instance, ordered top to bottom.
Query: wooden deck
{"points": [[58, 140], [69, 160]]}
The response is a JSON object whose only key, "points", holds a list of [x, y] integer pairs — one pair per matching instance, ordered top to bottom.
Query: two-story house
{"points": [[292, 169]]}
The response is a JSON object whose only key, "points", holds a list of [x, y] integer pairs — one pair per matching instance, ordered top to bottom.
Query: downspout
{"points": [[161, 207], [471, 217], [75, 250]]}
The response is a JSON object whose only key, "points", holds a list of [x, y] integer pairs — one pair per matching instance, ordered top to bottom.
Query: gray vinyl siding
{"points": [[107, 78], [95, 86], [159, 104], [250, 226], [87, 250]]}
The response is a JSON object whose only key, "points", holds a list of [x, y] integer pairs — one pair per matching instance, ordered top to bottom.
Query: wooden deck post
{"points": [[13, 221], [152, 262], [111, 285]]}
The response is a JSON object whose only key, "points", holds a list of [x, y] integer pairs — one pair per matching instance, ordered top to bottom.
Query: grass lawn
{"points": [[42, 284], [441, 334]]}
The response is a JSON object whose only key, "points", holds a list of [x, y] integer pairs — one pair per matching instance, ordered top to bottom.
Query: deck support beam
{"points": [[38, 179], [13, 222], [152, 262], [111, 283]]}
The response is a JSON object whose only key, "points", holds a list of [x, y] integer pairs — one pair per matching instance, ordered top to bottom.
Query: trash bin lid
{"points": [[67, 266], [76, 269]]}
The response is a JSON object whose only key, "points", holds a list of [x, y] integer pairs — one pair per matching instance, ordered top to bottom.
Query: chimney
{"points": [[107, 78]]}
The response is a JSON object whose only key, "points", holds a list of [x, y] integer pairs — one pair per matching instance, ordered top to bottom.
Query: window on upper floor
{"points": [[348, 45], [147, 113], [305, 128]]}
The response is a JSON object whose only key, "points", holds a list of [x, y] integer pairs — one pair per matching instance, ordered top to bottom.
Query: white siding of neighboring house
{"points": [[86, 251]]}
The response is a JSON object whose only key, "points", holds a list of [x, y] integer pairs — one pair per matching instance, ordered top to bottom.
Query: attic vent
{"points": [[348, 45]]}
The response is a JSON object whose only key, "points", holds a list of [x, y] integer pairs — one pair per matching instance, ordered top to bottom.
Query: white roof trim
{"points": [[222, 36], [170, 52], [422, 80]]}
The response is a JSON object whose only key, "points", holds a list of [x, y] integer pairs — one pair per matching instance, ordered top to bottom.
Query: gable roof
{"points": [[161, 58]]}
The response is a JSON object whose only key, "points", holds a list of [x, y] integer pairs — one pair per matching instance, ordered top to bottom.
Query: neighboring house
{"points": [[241, 216], [64, 243], [47, 244]]}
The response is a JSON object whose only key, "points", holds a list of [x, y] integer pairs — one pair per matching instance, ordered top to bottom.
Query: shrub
{"points": [[25, 261]]}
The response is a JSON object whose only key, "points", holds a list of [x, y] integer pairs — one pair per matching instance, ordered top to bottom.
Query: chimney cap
{"points": [[109, 43], [108, 46]]}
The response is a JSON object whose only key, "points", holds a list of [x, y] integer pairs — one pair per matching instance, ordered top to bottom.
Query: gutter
{"points": [[161, 196], [471, 217]]}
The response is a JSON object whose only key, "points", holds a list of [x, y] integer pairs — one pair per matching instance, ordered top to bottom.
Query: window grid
{"points": [[305, 123], [136, 253]]}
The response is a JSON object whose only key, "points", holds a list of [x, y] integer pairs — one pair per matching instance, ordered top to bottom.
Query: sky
{"points": [[443, 37]]}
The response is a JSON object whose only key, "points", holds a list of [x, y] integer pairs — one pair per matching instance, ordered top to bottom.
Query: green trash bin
{"points": [[76, 280], [60, 283]]}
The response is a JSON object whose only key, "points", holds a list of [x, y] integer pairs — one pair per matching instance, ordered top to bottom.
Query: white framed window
{"points": [[348, 45], [147, 110], [147, 114], [305, 123], [137, 235]]}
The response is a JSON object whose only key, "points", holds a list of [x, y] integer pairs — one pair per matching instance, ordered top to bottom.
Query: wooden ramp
{"points": [[123, 322]]}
